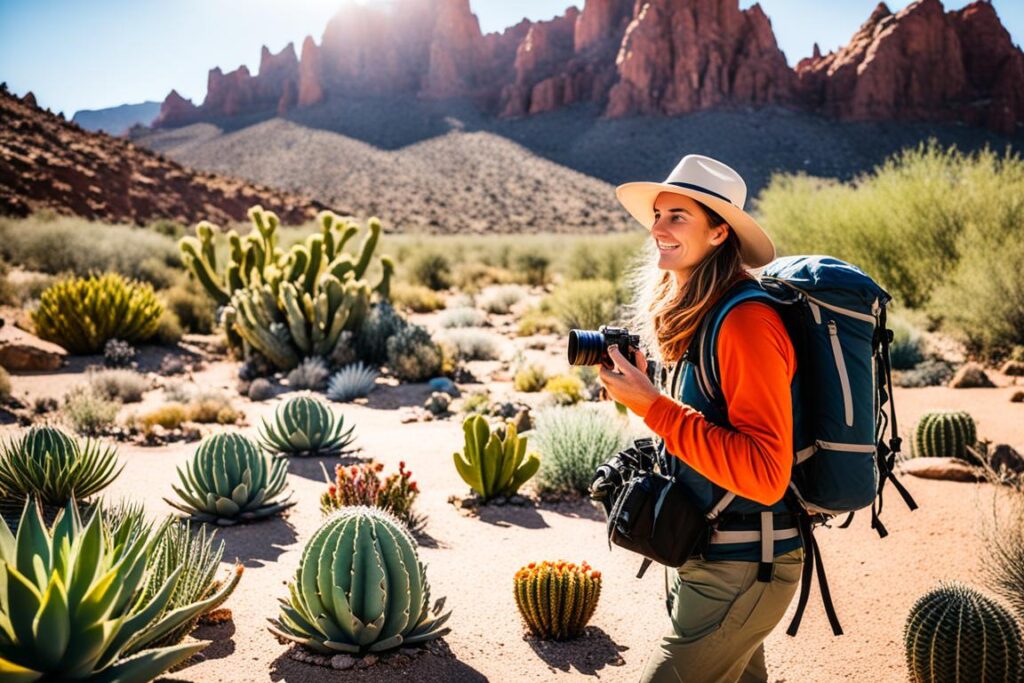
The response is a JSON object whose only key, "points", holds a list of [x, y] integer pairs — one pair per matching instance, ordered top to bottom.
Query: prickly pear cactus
{"points": [[945, 434], [557, 599], [954, 634]]}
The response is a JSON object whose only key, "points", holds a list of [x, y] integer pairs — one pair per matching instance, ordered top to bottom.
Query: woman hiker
{"points": [[728, 597]]}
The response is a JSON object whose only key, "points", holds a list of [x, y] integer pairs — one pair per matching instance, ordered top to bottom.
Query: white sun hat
{"points": [[713, 184]]}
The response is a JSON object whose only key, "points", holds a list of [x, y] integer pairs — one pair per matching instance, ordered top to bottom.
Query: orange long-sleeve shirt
{"points": [[756, 364]]}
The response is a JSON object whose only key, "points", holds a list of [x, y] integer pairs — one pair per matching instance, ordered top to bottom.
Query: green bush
{"points": [[82, 247], [431, 269], [416, 298], [500, 299], [585, 304], [195, 310], [82, 314], [462, 317], [470, 343], [907, 347], [412, 355], [530, 378], [126, 386], [565, 389], [89, 412], [573, 442]]}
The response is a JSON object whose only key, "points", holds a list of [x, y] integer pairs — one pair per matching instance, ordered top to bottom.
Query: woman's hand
{"points": [[628, 384]]}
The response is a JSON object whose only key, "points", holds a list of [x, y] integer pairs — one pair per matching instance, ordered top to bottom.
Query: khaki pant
{"points": [[721, 615]]}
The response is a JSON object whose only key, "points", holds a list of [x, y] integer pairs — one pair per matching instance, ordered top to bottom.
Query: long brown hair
{"points": [[667, 315]]}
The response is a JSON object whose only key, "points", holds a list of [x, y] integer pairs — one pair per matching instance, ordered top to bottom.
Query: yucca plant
{"points": [[81, 314], [352, 381], [305, 426], [946, 434], [493, 464], [54, 467], [229, 480], [360, 587], [557, 599], [70, 603], [955, 633]]}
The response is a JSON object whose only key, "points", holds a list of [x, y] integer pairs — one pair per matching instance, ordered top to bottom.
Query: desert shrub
{"points": [[81, 247], [599, 260], [533, 267], [430, 269], [157, 272], [472, 276], [30, 286], [416, 298], [500, 299], [585, 304], [195, 310], [82, 314], [462, 317], [535, 321], [381, 324], [168, 331], [470, 343], [907, 348], [118, 354], [412, 355], [929, 373], [311, 374], [530, 378], [5, 384], [126, 386], [260, 389], [565, 389], [179, 391], [476, 403], [212, 407], [89, 412], [167, 416], [573, 442], [361, 484], [1004, 563]]}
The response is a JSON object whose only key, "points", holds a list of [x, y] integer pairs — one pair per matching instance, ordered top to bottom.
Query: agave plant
{"points": [[352, 381], [304, 425], [54, 467], [229, 480], [360, 587], [71, 603]]}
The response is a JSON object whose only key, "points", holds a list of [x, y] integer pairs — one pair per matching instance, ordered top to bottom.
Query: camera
{"points": [[590, 347]]}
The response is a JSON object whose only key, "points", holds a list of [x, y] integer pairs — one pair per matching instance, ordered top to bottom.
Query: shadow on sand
{"points": [[525, 516], [258, 543], [588, 654], [424, 667]]}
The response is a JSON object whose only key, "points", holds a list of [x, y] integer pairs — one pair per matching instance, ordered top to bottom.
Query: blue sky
{"points": [[87, 54]]}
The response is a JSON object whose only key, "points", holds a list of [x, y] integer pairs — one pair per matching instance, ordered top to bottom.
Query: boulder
{"points": [[24, 352], [1013, 368], [970, 375], [949, 469]]}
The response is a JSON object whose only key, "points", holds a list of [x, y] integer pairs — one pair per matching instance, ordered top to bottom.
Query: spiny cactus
{"points": [[292, 304], [81, 314], [352, 381], [304, 425], [945, 434], [492, 464], [50, 465], [229, 480], [361, 484], [360, 587], [557, 599], [954, 633]]}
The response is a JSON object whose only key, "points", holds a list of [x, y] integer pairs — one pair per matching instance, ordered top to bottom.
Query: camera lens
{"points": [[585, 347]]}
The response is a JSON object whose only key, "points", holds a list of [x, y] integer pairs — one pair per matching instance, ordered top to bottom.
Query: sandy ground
{"points": [[472, 560]]}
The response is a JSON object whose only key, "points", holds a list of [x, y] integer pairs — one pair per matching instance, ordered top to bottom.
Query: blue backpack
{"points": [[835, 316]]}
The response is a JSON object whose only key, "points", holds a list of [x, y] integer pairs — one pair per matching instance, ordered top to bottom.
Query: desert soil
{"points": [[471, 560]]}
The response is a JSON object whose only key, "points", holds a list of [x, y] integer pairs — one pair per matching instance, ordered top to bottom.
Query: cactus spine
{"points": [[945, 434], [493, 465], [557, 599], [954, 633]]}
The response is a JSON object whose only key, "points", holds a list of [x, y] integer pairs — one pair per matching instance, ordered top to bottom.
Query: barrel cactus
{"points": [[81, 314], [305, 426], [945, 433], [50, 465], [494, 465], [229, 480], [360, 587], [557, 599], [72, 603], [954, 633]]}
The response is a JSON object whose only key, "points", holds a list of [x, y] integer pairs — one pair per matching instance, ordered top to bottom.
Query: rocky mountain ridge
{"points": [[644, 57]]}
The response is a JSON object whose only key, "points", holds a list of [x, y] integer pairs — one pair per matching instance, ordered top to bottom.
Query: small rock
{"points": [[25, 357], [1013, 368], [970, 375], [445, 385], [1017, 397], [523, 421], [948, 469], [499, 500], [409, 651], [342, 662], [366, 662]]}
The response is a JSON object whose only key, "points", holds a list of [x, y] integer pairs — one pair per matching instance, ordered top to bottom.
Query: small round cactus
{"points": [[305, 426], [945, 434], [557, 599], [954, 633]]}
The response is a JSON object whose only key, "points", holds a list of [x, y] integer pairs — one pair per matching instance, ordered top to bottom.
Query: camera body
{"points": [[590, 347]]}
